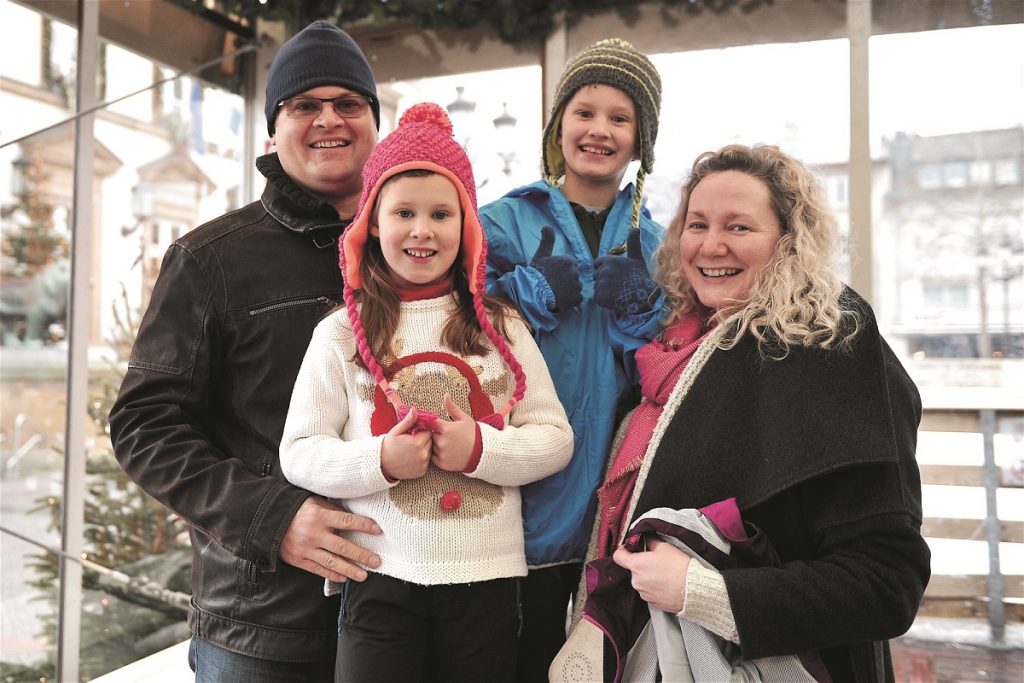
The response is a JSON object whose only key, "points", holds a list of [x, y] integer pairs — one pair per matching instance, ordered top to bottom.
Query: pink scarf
{"points": [[660, 364]]}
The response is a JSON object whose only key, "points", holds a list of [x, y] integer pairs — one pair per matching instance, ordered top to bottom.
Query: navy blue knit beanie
{"points": [[320, 54]]}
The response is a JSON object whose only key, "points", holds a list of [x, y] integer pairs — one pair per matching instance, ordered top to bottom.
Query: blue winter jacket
{"points": [[586, 348]]}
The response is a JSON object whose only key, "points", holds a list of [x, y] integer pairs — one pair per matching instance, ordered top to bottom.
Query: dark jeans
{"points": [[546, 596], [393, 630], [214, 664]]}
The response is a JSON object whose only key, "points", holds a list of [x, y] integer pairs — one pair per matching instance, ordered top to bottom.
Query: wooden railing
{"points": [[996, 596]]}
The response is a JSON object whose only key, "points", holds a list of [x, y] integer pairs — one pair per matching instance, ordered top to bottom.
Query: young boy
{"points": [[574, 255]]}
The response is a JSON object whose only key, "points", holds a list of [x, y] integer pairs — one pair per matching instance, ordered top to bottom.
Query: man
{"points": [[199, 416]]}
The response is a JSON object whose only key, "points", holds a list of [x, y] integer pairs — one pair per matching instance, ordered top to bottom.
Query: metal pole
{"points": [[858, 27], [553, 58], [249, 152], [79, 310], [993, 530]]}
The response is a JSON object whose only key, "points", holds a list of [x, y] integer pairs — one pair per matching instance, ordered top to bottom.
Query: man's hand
{"points": [[454, 440], [404, 455], [311, 543], [659, 574]]}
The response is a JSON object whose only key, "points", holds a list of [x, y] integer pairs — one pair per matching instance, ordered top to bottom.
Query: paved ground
{"points": [[958, 650]]}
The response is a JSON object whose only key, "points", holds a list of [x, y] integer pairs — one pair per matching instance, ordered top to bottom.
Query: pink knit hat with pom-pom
{"points": [[423, 140]]}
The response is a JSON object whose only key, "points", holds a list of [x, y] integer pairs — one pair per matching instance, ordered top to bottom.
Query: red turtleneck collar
{"points": [[420, 292]]}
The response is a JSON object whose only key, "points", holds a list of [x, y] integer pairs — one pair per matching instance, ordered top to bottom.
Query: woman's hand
{"points": [[453, 440], [404, 455], [659, 574]]}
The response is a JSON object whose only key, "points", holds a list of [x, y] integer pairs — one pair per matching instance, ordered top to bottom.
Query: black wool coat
{"points": [[819, 451]]}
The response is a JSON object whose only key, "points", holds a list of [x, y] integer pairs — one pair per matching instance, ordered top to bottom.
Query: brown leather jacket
{"points": [[199, 416]]}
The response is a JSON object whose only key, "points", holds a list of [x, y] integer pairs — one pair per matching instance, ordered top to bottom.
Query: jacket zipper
{"points": [[290, 304]]}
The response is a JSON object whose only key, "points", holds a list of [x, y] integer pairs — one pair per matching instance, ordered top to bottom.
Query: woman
{"points": [[770, 391]]}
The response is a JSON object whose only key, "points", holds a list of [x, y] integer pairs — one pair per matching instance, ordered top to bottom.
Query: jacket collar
{"points": [[294, 208]]}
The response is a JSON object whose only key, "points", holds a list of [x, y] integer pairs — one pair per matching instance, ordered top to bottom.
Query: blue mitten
{"points": [[560, 271], [621, 283]]}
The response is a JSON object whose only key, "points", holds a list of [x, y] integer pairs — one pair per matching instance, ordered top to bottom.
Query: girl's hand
{"points": [[454, 440], [404, 455], [659, 574]]}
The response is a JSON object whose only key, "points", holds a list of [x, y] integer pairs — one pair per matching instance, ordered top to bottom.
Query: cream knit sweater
{"points": [[328, 447]]}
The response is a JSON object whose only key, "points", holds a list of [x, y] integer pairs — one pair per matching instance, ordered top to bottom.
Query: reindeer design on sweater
{"points": [[420, 382]]}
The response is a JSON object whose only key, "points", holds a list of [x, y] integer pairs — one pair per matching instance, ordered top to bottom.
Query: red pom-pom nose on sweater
{"points": [[451, 501]]}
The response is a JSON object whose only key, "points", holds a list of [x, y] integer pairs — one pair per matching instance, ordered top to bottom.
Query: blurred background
{"points": [[126, 123]]}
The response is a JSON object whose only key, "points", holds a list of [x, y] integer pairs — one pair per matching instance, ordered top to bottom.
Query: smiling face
{"points": [[598, 135], [325, 154], [419, 224], [729, 235]]}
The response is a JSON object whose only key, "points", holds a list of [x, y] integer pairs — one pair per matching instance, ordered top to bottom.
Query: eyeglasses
{"points": [[346, 106]]}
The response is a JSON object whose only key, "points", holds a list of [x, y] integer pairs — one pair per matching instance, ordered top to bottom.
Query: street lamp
{"points": [[460, 111], [504, 124], [19, 168]]}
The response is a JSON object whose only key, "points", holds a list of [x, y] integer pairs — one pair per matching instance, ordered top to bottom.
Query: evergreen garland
{"points": [[516, 21]]}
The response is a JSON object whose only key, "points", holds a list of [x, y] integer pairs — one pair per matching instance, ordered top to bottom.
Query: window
{"points": [[1007, 171], [981, 172], [955, 173], [929, 177], [175, 191], [944, 294]]}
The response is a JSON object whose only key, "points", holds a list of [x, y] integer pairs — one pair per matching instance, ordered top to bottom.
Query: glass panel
{"points": [[499, 127], [947, 127], [164, 161], [35, 242]]}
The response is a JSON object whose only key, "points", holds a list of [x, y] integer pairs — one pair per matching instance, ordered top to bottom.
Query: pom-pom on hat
{"points": [[320, 54], [617, 63], [423, 140]]}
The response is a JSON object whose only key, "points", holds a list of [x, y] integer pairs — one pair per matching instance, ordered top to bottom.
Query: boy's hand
{"points": [[560, 271], [621, 283], [454, 440], [404, 455]]}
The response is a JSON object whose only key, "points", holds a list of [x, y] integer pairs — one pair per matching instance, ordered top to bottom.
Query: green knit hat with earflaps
{"points": [[617, 63]]}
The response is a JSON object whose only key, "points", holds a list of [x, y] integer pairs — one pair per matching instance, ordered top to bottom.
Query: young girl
{"points": [[556, 250], [411, 408]]}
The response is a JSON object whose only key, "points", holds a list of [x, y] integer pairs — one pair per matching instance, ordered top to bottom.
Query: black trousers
{"points": [[546, 595], [392, 630]]}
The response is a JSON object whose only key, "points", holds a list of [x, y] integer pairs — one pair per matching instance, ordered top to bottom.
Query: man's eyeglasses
{"points": [[346, 106]]}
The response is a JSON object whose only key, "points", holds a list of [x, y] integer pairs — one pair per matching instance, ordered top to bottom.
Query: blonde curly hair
{"points": [[796, 299]]}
